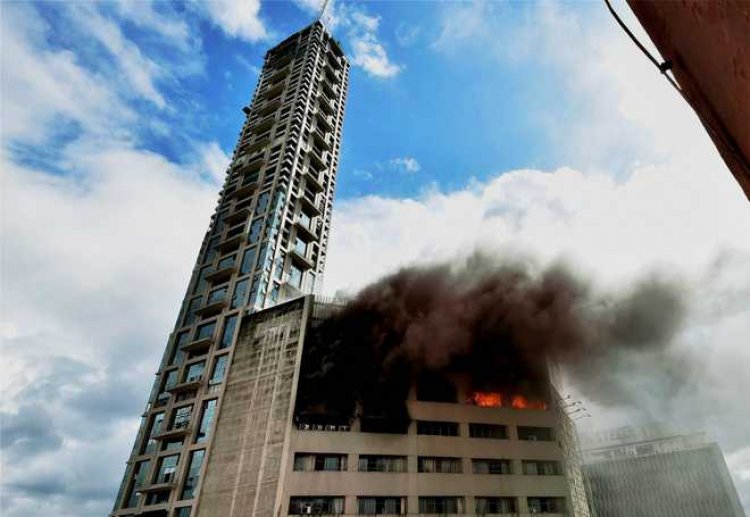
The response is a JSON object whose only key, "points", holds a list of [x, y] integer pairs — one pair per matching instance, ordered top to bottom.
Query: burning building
{"points": [[307, 427], [653, 472]]}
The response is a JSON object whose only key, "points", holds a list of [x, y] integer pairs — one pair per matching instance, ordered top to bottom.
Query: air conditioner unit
{"points": [[330, 428], [343, 428], [532, 438], [307, 510]]}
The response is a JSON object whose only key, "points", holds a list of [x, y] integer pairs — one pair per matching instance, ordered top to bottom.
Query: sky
{"points": [[523, 128]]}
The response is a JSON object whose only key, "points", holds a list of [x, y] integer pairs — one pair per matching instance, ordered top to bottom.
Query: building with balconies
{"points": [[266, 242]]}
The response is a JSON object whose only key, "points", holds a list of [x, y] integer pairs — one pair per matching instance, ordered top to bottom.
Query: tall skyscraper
{"points": [[266, 243], [653, 472]]}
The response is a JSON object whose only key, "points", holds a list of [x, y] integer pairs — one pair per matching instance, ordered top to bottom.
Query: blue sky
{"points": [[524, 128]]}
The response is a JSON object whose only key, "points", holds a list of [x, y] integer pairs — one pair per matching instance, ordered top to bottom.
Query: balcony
{"points": [[280, 73], [272, 91], [326, 105], [269, 106], [324, 122], [264, 124], [320, 138], [257, 145], [318, 161], [311, 181], [311, 206], [238, 215], [306, 231], [230, 243], [301, 259], [220, 275], [212, 307], [199, 345], [182, 428], [167, 484]]}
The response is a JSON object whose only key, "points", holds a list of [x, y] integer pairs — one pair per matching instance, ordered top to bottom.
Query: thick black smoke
{"points": [[497, 322]]}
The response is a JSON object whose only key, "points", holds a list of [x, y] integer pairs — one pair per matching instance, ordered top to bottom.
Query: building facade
{"points": [[266, 243], [463, 455], [652, 472]]}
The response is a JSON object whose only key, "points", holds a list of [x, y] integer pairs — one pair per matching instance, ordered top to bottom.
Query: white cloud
{"points": [[143, 13], [237, 18], [361, 31], [405, 164]]}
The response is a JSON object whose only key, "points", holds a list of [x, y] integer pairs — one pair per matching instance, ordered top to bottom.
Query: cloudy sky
{"points": [[532, 128]]}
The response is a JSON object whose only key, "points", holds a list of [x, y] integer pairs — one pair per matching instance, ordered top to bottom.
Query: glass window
{"points": [[262, 205], [304, 219], [254, 233], [300, 246], [248, 260], [226, 262], [278, 270], [295, 276], [240, 289], [217, 295], [193, 306], [206, 331], [228, 333], [178, 355], [220, 368], [195, 371], [181, 417], [207, 417], [437, 428], [154, 429], [493, 431], [533, 434], [170, 445], [308, 462], [378, 463], [439, 464], [491, 466], [541, 468], [167, 469], [193, 474], [139, 478], [160, 497], [546, 504], [316, 505], [380, 505], [441, 505], [495, 505], [182, 512]]}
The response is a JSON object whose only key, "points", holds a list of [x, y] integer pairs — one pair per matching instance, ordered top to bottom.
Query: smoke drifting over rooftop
{"points": [[498, 321]]}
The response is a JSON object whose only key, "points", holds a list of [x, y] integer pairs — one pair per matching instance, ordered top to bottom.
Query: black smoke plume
{"points": [[497, 322]]}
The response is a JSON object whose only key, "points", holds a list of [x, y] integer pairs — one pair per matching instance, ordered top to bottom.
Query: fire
{"points": [[486, 399], [521, 402]]}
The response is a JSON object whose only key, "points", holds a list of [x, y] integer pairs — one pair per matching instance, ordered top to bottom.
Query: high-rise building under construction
{"points": [[232, 427]]}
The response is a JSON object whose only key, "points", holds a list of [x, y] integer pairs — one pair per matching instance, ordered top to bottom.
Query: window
{"points": [[262, 203], [305, 219], [254, 233], [300, 246], [248, 261], [226, 262], [295, 276], [201, 283], [240, 289], [217, 295], [193, 306], [206, 331], [228, 333], [178, 355], [220, 368], [195, 371], [432, 387], [181, 417], [207, 417], [155, 428], [437, 428], [493, 431], [532, 434], [170, 445], [319, 462], [375, 463], [440, 465], [491, 466], [167, 468], [541, 468], [193, 474], [139, 478], [159, 497], [546, 504], [312, 505], [381, 505], [441, 505], [485, 505], [182, 512]]}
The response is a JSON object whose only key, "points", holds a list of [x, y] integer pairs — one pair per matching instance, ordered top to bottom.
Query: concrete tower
{"points": [[266, 243]]}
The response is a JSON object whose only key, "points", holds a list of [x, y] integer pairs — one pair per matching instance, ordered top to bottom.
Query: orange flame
{"points": [[486, 399], [521, 402]]}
